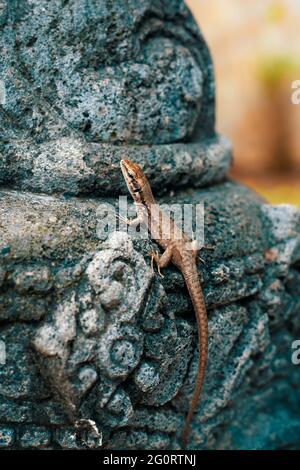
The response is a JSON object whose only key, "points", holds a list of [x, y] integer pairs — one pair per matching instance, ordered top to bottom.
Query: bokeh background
{"points": [[256, 51]]}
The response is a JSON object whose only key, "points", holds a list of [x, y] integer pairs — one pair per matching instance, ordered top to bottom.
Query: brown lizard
{"points": [[181, 252]]}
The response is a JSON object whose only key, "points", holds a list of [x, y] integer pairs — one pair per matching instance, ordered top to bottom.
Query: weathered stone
{"points": [[81, 80], [199, 164], [2, 276], [35, 279], [90, 319], [237, 333], [18, 375], [51, 412], [88, 434], [6, 437], [35, 437], [66, 438]]}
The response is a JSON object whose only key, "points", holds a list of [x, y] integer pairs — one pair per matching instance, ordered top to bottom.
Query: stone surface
{"points": [[104, 81], [87, 82], [68, 165], [101, 351], [129, 359], [6, 437], [35, 437]]}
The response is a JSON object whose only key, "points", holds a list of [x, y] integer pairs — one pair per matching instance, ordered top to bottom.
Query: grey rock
{"points": [[129, 73], [86, 82], [71, 166], [32, 279], [90, 319], [138, 357], [13, 412], [87, 434], [6, 437], [35, 437], [66, 438]]}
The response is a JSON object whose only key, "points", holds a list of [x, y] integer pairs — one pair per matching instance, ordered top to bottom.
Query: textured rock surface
{"points": [[130, 72], [83, 77], [71, 166], [115, 344], [98, 349]]}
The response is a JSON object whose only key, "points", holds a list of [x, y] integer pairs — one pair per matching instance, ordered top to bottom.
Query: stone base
{"points": [[91, 334]]}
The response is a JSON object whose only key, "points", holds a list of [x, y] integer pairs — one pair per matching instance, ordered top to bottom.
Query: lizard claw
{"points": [[122, 219], [155, 257], [202, 260]]}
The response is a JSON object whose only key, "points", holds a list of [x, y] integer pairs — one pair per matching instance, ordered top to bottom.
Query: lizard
{"points": [[179, 250]]}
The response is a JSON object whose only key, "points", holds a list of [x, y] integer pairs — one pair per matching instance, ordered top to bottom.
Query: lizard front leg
{"points": [[131, 223], [161, 261]]}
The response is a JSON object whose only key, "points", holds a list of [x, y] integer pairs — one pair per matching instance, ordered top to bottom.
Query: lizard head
{"points": [[136, 180]]}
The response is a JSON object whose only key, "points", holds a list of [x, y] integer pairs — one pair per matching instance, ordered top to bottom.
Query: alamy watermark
{"points": [[296, 92], [2, 93], [188, 218], [296, 352], [2, 353]]}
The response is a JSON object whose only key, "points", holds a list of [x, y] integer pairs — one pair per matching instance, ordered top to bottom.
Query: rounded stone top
{"points": [[96, 73]]}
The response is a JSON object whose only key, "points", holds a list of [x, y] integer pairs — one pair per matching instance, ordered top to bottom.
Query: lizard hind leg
{"points": [[195, 248], [161, 261]]}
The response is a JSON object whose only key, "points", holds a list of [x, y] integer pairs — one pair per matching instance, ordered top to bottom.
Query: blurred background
{"points": [[256, 51]]}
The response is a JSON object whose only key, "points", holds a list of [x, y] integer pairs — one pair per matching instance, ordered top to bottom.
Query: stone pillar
{"points": [[99, 351]]}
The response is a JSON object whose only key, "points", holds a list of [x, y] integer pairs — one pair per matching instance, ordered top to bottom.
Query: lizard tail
{"points": [[196, 294]]}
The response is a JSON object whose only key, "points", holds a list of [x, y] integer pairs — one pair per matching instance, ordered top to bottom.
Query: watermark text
{"points": [[296, 92], [2, 93], [164, 222], [2, 353]]}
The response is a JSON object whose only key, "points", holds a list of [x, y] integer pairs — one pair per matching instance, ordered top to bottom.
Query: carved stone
{"points": [[99, 350]]}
